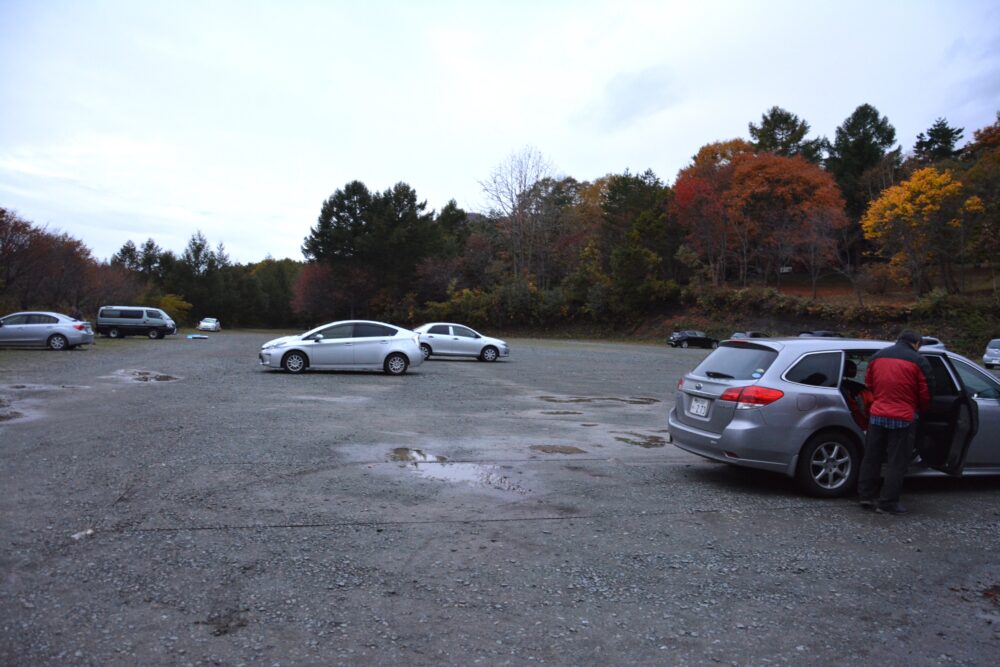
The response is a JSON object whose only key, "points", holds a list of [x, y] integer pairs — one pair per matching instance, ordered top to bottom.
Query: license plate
{"points": [[699, 406]]}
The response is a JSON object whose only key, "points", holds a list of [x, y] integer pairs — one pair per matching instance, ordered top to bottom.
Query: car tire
{"points": [[113, 332], [153, 334], [57, 342], [715, 344], [684, 345], [426, 350], [489, 353], [295, 362], [396, 364], [828, 466]]}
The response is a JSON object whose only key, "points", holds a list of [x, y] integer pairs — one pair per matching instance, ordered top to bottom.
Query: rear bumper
{"points": [[742, 443]]}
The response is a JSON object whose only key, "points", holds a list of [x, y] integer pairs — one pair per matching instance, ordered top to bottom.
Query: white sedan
{"points": [[210, 324], [446, 339]]}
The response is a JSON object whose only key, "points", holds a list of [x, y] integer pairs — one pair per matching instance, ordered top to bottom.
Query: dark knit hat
{"points": [[908, 336]]}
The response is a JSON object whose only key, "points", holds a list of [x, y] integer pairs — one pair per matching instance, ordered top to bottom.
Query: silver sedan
{"points": [[44, 329], [447, 339], [346, 345]]}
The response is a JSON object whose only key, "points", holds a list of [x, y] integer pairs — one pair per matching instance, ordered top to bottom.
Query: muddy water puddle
{"points": [[137, 375], [628, 400], [24, 402], [643, 440], [558, 449], [407, 455], [476, 475]]}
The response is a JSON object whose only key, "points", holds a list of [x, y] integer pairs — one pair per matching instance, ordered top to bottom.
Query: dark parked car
{"points": [[749, 334], [820, 334], [692, 338]]}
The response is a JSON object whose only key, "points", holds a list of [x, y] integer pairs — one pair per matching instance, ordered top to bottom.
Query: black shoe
{"points": [[866, 504], [892, 508]]}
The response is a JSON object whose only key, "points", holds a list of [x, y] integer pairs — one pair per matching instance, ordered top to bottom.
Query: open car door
{"points": [[948, 426]]}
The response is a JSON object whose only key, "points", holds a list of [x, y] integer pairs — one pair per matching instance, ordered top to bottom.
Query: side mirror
{"points": [[317, 338]]}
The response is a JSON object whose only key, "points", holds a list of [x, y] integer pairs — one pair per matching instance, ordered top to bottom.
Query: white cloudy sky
{"points": [[140, 119]]}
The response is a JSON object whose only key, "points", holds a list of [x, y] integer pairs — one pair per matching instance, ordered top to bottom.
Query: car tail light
{"points": [[79, 327], [680, 384], [753, 396]]}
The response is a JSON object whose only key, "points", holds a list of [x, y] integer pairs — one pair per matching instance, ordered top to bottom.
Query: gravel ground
{"points": [[170, 502]]}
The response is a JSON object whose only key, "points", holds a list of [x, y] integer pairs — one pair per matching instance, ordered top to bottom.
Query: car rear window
{"points": [[737, 361], [821, 369]]}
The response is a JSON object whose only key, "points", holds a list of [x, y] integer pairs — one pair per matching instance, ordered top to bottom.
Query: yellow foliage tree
{"points": [[921, 223], [175, 306]]}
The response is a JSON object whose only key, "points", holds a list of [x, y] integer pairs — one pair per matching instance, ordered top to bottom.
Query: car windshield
{"points": [[994, 344], [737, 361]]}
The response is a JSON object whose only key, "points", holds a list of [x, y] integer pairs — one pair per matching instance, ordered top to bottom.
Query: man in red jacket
{"points": [[898, 377]]}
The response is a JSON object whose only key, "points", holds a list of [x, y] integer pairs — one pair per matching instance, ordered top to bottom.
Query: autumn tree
{"points": [[783, 133], [698, 205], [782, 209], [921, 223]]}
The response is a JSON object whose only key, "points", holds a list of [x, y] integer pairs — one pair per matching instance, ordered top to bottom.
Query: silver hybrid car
{"points": [[44, 329], [446, 339], [347, 345], [785, 405]]}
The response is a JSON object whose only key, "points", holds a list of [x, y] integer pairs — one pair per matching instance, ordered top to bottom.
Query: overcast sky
{"points": [[140, 119]]}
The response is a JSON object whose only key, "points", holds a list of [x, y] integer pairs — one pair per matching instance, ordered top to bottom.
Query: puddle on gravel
{"points": [[136, 375], [331, 399], [29, 400], [630, 400], [561, 412], [588, 425], [642, 440], [557, 449], [407, 455], [476, 474]]}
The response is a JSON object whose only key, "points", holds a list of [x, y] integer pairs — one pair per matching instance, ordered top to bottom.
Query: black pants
{"points": [[895, 445]]}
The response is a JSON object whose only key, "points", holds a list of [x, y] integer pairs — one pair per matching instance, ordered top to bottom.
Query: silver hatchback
{"points": [[44, 329], [346, 345], [785, 405]]}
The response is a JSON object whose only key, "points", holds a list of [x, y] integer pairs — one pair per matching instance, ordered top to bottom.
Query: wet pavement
{"points": [[170, 502]]}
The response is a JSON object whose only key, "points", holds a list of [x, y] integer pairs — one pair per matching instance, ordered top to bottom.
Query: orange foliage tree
{"points": [[783, 211]]}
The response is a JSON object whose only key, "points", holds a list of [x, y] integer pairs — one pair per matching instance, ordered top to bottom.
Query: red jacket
{"points": [[898, 376]]}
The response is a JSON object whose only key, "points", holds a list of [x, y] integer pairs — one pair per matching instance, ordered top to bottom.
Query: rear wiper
{"points": [[719, 376]]}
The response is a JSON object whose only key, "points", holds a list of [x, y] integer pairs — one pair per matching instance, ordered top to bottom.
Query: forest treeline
{"points": [[552, 249]]}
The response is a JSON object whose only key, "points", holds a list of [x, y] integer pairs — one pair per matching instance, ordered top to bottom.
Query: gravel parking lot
{"points": [[171, 502]]}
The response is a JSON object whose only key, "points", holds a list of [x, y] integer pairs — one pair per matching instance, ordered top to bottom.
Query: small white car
{"points": [[210, 324], [446, 339], [991, 357]]}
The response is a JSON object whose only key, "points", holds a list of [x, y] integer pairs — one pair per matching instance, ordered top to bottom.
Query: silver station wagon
{"points": [[346, 345], [785, 405]]}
